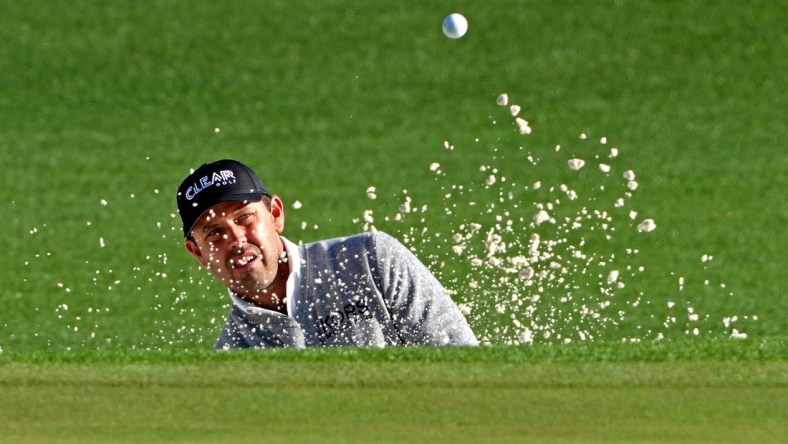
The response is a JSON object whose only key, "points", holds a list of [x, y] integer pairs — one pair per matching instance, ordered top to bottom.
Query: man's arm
{"points": [[419, 305], [230, 337]]}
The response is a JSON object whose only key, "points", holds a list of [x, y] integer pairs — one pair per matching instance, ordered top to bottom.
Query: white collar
{"points": [[292, 285]]}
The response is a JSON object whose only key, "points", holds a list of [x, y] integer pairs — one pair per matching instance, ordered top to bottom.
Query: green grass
{"points": [[107, 323], [689, 391]]}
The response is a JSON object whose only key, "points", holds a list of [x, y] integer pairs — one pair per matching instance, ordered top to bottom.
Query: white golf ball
{"points": [[455, 26]]}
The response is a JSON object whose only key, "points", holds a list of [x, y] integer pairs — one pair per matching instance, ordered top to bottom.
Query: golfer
{"points": [[362, 290]]}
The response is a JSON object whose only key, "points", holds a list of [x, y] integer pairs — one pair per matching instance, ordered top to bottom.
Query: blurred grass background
{"points": [[106, 106]]}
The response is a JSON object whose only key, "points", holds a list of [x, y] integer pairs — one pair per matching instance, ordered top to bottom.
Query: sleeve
{"points": [[420, 307], [259, 331], [230, 337]]}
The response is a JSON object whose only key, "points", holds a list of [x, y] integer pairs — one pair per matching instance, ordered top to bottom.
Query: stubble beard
{"points": [[253, 281]]}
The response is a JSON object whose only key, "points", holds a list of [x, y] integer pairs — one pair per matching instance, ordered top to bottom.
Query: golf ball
{"points": [[455, 26]]}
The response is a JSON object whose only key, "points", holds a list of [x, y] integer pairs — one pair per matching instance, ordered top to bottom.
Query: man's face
{"points": [[239, 243]]}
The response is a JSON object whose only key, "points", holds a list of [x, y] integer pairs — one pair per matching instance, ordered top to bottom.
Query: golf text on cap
{"points": [[220, 178]]}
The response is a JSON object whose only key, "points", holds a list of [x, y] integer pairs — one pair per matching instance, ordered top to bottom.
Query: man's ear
{"points": [[278, 212], [192, 247]]}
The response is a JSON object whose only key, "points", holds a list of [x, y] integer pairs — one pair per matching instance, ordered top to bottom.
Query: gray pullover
{"points": [[364, 290]]}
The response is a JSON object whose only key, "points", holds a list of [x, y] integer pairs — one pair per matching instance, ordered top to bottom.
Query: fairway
{"points": [[621, 255], [715, 392]]}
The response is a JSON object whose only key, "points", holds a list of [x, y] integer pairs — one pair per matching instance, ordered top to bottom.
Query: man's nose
{"points": [[237, 235]]}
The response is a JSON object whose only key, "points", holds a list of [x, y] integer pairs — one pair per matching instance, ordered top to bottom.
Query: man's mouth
{"points": [[243, 261]]}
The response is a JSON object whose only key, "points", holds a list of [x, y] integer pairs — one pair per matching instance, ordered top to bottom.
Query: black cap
{"points": [[221, 181]]}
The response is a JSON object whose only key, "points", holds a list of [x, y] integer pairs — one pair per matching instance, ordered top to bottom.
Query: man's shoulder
{"points": [[360, 240], [368, 244]]}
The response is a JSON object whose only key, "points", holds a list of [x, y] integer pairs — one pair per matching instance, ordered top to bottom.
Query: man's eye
{"points": [[244, 218]]}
